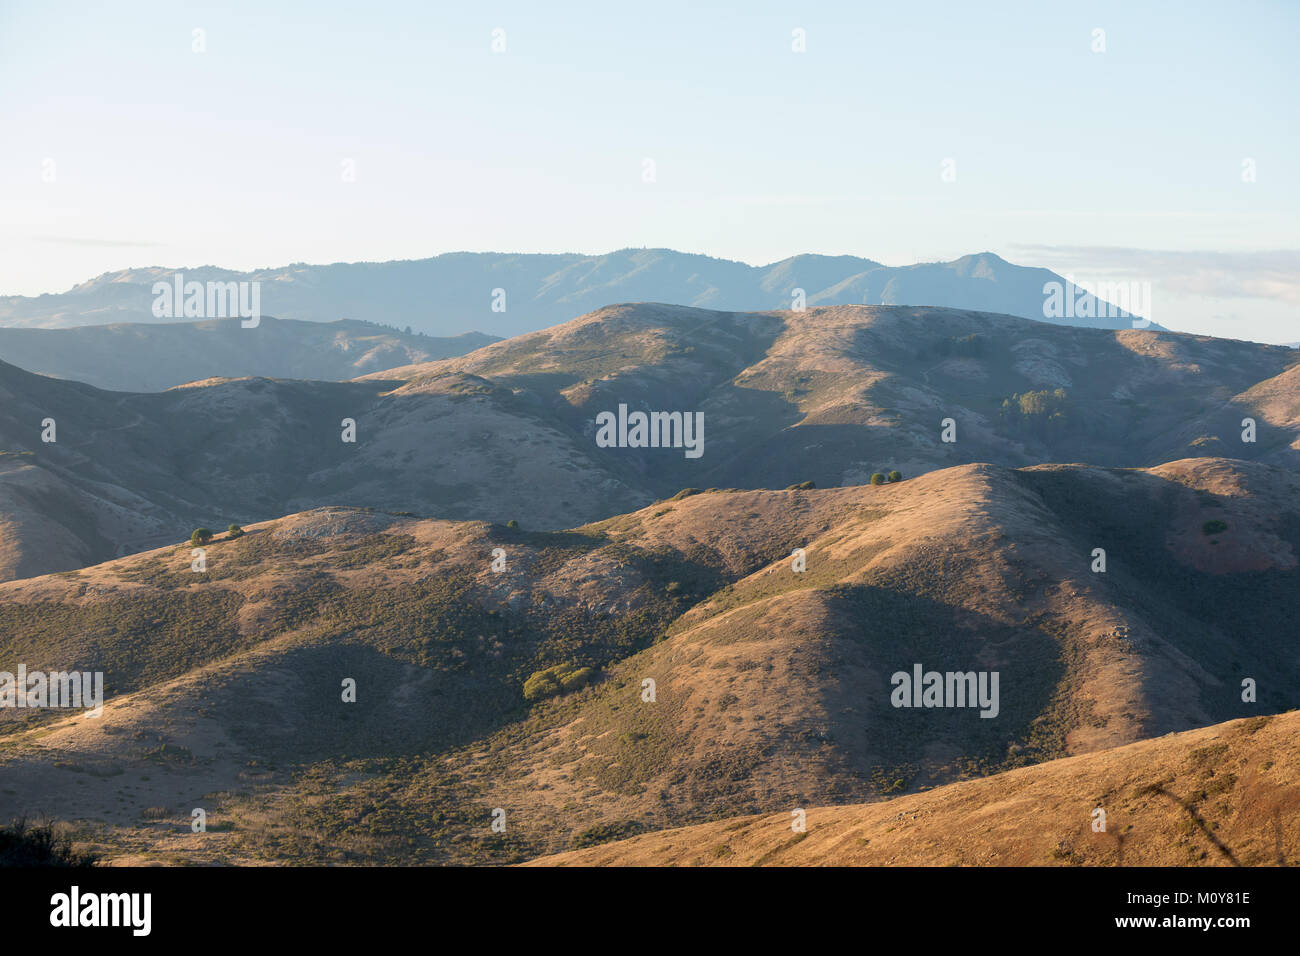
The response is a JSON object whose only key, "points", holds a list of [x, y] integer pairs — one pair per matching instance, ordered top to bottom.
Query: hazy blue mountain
{"points": [[453, 293], [137, 357]]}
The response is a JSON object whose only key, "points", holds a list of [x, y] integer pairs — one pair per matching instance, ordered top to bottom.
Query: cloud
{"points": [[1273, 275]]}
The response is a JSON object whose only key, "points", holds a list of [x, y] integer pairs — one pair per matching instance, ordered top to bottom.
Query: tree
{"points": [[1044, 414], [895, 476], [877, 479], [512, 523], [235, 531], [200, 537]]}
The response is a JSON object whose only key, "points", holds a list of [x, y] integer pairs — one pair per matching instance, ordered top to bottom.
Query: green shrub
{"points": [[1043, 414], [895, 476], [877, 479], [803, 486], [684, 493], [512, 523], [1214, 526], [235, 531], [200, 537], [560, 679]]}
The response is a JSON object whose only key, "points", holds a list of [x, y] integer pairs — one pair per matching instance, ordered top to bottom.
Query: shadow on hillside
{"points": [[1234, 625], [826, 729], [904, 746]]}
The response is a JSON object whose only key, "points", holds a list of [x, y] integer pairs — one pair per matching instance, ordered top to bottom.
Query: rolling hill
{"points": [[154, 357], [830, 395], [524, 688], [1225, 795]]}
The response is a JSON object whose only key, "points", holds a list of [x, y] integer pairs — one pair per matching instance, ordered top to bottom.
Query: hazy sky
{"points": [[1123, 164]]}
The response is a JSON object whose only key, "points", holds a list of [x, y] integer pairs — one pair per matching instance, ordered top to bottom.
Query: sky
{"points": [[903, 132]]}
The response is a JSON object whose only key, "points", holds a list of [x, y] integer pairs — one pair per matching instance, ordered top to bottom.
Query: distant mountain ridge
{"points": [[455, 292]]}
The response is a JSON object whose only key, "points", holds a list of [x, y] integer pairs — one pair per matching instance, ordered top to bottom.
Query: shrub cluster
{"points": [[560, 679], [22, 845]]}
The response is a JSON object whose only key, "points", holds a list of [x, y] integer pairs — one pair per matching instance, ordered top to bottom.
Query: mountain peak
{"points": [[508, 294]]}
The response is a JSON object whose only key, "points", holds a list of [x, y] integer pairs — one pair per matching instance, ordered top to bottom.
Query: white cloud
{"points": [[1272, 275]]}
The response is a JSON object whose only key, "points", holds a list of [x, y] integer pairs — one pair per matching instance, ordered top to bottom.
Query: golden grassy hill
{"points": [[830, 395], [772, 687], [1223, 795]]}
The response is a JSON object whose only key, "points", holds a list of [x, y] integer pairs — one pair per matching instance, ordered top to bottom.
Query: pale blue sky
{"points": [[1095, 164]]}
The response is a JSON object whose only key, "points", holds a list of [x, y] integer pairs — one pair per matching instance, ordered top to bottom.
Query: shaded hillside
{"points": [[450, 293], [151, 358], [835, 394], [509, 431], [129, 471], [524, 689], [1220, 796]]}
